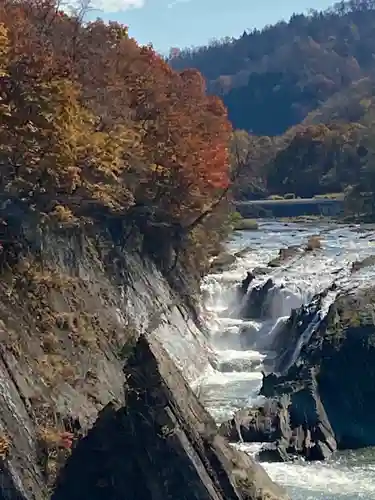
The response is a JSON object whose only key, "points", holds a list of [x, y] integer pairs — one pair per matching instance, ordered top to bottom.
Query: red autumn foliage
{"points": [[177, 159], [66, 440]]}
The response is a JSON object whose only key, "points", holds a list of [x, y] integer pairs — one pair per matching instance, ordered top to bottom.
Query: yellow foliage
{"points": [[4, 48], [62, 153], [64, 215], [5, 445]]}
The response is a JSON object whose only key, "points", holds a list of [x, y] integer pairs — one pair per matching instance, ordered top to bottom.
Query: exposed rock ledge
{"points": [[71, 309], [324, 401], [161, 445]]}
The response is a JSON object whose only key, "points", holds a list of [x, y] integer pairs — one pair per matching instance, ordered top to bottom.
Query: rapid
{"points": [[236, 379]]}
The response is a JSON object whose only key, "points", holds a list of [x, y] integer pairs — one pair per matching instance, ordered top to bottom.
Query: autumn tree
{"points": [[270, 79], [89, 118]]}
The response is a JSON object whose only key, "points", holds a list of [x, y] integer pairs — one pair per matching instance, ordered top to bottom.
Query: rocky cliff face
{"points": [[74, 308], [340, 356], [324, 400], [165, 447]]}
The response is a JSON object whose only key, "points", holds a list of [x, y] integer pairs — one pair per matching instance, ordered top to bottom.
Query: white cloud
{"points": [[115, 5]]}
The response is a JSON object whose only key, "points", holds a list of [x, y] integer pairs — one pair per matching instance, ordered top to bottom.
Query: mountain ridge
{"points": [[288, 69]]}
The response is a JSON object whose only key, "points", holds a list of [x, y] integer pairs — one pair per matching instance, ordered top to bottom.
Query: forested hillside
{"points": [[271, 79], [301, 96], [326, 153]]}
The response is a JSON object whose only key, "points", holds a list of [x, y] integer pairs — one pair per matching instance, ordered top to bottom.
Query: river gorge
{"points": [[102, 351], [237, 377]]}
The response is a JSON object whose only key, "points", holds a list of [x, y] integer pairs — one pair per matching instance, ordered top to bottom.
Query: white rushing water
{"points": [[236, 381]]}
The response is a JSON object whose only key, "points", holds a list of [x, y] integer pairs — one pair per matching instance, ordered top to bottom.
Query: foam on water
{"points": [[237, 378], [222, 379], [324, 481]]}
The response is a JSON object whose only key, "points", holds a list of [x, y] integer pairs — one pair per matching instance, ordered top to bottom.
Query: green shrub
{"points": [[246, 225]]}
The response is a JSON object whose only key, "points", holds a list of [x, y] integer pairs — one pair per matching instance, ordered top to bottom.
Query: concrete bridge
{"points": [[291, 208]]}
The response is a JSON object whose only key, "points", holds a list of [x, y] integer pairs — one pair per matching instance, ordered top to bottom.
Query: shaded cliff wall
{"points": [[72, 304], [162, 445]]}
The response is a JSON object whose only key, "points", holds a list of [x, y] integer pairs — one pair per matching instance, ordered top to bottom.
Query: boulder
{"points": [[313, 243], [243, 252], [285, 254], [222, 262], [361, 264], [254, 304], [335, 371], [292, 419], [261, 424], [162, 445], [275, 452]]}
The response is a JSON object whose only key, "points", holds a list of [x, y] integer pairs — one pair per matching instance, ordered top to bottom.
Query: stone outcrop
{"points": [[285, 255], [222, 262], [245, 283], [255, 302], [73, 304], [290, 335], [340, 356], [324, 400], [294, 424], [311, 434], [161, 445]]}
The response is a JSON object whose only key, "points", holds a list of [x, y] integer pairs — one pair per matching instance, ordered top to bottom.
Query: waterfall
{"points": [[311, 328], [250, 334]]}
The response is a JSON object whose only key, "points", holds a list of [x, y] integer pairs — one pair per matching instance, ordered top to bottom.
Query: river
{"points": [[237, 379]]}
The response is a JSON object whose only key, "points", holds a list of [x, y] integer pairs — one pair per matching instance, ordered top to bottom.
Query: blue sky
{"points": [[185, 23]]}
